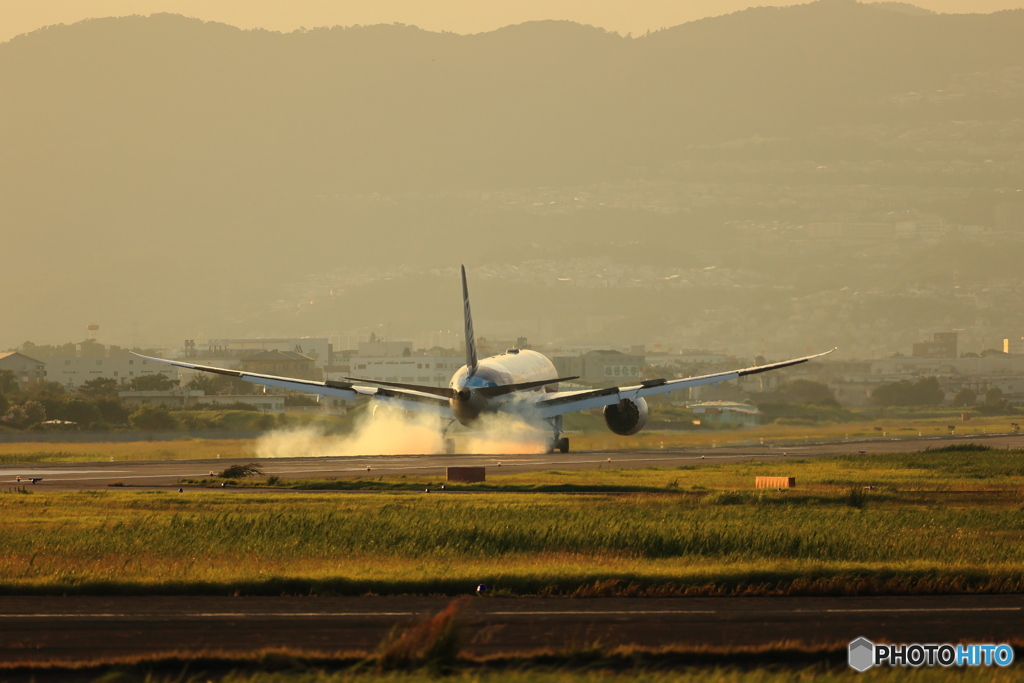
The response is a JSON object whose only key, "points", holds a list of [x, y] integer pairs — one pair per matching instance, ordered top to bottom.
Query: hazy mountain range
{"points": [[170, 178]]}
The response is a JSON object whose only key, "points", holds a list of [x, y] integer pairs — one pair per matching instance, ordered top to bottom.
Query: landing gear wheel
{"points": [[562, 444], [449, 446]]}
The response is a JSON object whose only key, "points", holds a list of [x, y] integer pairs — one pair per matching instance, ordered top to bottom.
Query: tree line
{"points": [[95, 405]]}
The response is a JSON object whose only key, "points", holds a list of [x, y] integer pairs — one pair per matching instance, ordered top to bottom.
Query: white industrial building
{"points": [[317, 348], [74, 371], [433, 371], [180, 398]]}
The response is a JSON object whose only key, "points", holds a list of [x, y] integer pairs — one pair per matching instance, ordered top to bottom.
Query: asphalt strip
{"points": [[377, 468], [532, 613]]}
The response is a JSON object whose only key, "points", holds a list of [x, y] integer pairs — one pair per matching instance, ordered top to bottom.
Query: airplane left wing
{"points": [[404, 399], [563, 402]]}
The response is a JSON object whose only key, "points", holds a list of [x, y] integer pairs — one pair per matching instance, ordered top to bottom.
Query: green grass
{"points": [[591, 435], [184, 448], [959, 470], [950, 521], [767, 664], [588, 674], [693, 675]]}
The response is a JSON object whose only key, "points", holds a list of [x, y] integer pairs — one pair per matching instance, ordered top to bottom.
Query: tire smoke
{"points": [[390, 432]]}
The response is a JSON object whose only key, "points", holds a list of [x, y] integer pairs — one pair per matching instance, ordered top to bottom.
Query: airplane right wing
{"points": [[404, 399], [563, 402]]}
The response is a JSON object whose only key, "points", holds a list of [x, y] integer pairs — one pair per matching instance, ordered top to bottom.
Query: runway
{"points": [[166, 474], [87, 628]]}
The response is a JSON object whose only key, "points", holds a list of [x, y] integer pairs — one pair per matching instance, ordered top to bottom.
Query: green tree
{"points": [[8, 382], [158, 382], [208, 384], [219, 384], [101, 386], [43, 391], [807, 392], [924, 392], [993, 395], [965, 397], [995, 403], [4, 404], [81, 412], [114, 412], [33, 413], [16, 416], [150, 417]]}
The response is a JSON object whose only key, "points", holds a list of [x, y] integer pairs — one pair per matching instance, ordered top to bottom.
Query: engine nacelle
{"points": [[627, 417]]}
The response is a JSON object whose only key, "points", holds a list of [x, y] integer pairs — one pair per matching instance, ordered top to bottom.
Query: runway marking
{"points": [[379, 468], [33, 473], [928, 609], [604, 612], [504, 613], [201, 615]]}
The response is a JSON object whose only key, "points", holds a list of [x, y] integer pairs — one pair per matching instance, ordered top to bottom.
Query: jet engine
{"points": [[627, 417]]}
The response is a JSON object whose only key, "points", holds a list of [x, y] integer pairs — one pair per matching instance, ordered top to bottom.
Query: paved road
{"points": [[167, 473], [83, 628]]}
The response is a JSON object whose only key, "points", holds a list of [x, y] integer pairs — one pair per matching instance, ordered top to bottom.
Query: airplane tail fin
{"points": [[470, 339]]}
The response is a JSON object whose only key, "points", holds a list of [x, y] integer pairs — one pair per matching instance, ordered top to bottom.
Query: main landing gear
{"points": [[558, 442], [449, 443]]}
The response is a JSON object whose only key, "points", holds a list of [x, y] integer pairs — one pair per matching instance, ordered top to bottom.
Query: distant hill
{"points": [[903, 7], [160, 168]]}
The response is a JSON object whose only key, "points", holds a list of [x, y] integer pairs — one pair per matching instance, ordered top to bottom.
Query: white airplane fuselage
{"points": [[515, 366]]}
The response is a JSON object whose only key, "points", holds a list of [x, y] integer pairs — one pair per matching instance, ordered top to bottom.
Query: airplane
{"points": [[519, 381]]}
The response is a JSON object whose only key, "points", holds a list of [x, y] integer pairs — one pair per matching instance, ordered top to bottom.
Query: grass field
{"points": [[892, 427], [593, 437], [185, 448], [948, 521], [590, 667], [617, 668], [723, 674]]}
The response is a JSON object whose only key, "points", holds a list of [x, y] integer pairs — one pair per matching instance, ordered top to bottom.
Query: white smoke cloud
{"points": [[389, 432], [503, 434]]}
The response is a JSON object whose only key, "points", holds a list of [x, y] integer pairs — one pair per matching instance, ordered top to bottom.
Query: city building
{"points": [[1009, 216], [942, 345], [318, 349], [384, 349], [282, 364], [601, 368], [25, 369], [74, 371], [433, 371], [174, 398], [181, 398], [268, 402]]}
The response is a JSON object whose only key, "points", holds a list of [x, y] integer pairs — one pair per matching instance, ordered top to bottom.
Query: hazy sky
{"points": [[461, 16]]}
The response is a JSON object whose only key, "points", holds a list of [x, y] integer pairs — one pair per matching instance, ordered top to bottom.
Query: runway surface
{"points": [[159, 474], [86, 628]]}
